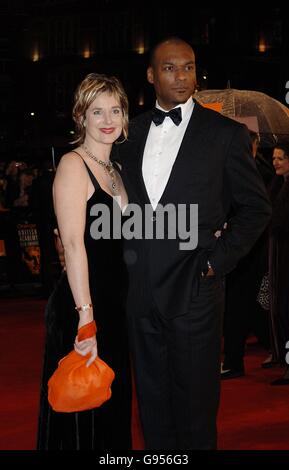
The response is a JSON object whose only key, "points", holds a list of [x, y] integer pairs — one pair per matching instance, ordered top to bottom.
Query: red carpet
{"points": [[21, 342], [253, 414]]}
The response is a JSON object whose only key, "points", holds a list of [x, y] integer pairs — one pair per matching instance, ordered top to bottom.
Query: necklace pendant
{"points": [[108, 167]]}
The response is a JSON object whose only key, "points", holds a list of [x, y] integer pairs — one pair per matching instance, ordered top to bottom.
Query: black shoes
{"points": [[269, 362], [268, 365], [231, 373], [281, 381]]}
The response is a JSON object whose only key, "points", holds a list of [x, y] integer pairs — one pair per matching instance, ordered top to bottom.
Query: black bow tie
{"points": [[175, 114]]}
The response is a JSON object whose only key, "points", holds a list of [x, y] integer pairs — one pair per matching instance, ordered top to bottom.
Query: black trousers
{"points": [[177, 368]]}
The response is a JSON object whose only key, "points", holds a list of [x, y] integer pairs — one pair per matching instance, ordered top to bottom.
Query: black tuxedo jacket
{"points": [[214, 168]]}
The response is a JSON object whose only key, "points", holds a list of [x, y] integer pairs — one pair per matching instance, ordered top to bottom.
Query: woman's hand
{"points": [[85, 341], [85, 347]]}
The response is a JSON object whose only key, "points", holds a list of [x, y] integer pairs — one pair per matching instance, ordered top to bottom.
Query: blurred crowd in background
{"points": [[27, 251]]}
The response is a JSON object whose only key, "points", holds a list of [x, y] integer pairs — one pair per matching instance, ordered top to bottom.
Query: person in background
{"points": [[181, 154], [264, 166], [12, 181], [3, 185], [23, 198], [44, 217], [278, 260], [93, 285], [243, 314]]}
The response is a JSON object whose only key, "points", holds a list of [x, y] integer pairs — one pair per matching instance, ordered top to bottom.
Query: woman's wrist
{"points": [[83, 307], [85, 313], [85, 317], [86, 331]]}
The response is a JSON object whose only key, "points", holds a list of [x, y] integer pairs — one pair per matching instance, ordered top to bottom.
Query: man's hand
{"points": [[59, 248], [210, 272]]}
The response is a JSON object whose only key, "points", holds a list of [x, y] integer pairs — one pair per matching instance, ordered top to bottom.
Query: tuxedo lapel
{"points": [[196, 127], [140, 141], [190, 145]]}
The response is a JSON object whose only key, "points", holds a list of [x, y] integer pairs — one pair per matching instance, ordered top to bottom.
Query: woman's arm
{"points": [[70, 191]]}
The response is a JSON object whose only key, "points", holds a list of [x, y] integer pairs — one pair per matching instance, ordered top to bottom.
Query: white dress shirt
{"points": [[161, 149]]}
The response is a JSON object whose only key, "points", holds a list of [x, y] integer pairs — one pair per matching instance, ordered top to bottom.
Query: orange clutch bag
{"points": [[75, 387]]}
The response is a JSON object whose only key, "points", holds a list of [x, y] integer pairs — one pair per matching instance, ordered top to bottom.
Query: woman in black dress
{"points": [[279, 261], [93, 286]]}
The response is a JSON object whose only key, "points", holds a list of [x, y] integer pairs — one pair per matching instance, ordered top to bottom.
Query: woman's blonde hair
{"points": [[93, 85]]}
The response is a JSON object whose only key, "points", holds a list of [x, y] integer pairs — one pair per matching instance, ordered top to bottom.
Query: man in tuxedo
{"points": [[175, 300]]}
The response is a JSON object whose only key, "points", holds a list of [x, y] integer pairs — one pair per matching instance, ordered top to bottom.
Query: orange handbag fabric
{"points": [[75, 387]]}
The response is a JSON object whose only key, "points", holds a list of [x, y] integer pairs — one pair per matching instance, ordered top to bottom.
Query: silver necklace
{"points": [[107, 166]]}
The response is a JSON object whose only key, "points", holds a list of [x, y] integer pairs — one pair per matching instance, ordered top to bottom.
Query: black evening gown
{"points": [[278, 269], [109, 426]]}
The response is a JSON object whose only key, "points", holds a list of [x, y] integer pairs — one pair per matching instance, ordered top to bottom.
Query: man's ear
{"points": [[150, 75]]}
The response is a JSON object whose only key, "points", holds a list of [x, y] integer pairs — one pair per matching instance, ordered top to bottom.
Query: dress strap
{"points": [[116, 166], [91, 175]]}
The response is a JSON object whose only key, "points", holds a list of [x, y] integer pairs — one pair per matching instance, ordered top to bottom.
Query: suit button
{"points": [[154, 218], [130, 257]]}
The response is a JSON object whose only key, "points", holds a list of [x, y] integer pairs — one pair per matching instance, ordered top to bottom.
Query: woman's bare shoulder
{"points": [[73, 157], [71, 165]]}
